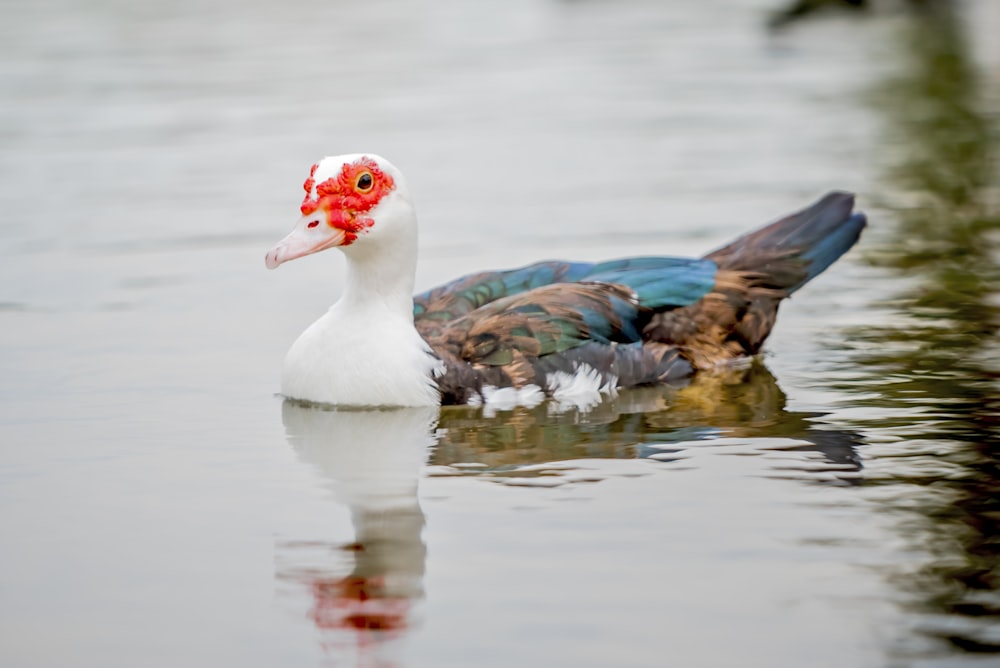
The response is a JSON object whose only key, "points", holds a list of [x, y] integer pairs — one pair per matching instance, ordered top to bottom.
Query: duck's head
{"points": [[351, 201]]}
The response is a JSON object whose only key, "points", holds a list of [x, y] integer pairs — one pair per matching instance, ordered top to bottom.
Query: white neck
{"points": [[382, 275], [365, 351]]}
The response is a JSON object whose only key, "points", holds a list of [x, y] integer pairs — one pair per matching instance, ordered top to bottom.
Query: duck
{"points": [[569, 331]]}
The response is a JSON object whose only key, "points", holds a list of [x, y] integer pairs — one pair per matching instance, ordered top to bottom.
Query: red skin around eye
{"points": [[310, 182], [343, 202]]}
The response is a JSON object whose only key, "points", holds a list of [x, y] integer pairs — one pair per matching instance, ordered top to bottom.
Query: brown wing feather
{"points": [[757, 271], [731, 321], [502, 342]]}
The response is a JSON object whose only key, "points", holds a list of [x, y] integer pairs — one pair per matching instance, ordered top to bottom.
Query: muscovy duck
{"points": [[551, 329]]}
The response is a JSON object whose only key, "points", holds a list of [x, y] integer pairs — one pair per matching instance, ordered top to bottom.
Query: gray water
{"points": [[833, 505]]}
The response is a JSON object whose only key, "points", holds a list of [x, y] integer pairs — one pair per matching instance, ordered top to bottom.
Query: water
{"points": [[834, 504]]}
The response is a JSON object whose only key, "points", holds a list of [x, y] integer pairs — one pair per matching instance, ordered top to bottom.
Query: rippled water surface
{"points": [[834, 504]]}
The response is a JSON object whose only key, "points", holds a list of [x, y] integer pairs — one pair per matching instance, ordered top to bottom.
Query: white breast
{"points": [[367, 357]]}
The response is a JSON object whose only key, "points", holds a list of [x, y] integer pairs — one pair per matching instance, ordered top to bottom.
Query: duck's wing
{"points": [[657, 282], [453, 300], [588, 334]]}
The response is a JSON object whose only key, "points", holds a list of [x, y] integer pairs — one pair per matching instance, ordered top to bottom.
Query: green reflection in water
{"points": [[936, 368], [648, 422]]}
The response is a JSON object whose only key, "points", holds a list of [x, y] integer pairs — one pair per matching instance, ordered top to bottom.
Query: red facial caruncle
{"points": [[346, 197]]}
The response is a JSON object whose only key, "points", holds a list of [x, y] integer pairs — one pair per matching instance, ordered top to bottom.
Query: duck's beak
{"points": [[311, 234]]}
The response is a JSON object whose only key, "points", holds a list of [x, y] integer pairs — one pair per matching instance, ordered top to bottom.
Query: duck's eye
{"points": [[364, 182]]}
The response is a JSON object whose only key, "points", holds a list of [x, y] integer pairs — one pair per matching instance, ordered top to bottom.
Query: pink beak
{"points": [[310, 235]]}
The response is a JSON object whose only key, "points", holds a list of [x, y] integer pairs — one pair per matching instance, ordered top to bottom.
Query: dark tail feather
{"points": [[792, 251], [754, 274]]}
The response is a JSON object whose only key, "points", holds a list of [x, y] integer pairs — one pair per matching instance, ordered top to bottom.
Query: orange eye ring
{"points": [[365, 182]]}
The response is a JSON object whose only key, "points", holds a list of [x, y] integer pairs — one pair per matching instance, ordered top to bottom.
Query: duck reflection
{"points": [[741, 403], [372, 459]]}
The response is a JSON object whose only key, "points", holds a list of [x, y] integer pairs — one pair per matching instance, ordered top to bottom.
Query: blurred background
{"points": [[836, 504]]}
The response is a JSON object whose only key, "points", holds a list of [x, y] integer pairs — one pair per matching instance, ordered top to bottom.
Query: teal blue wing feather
{"points": [[658, 282], [466, 294]]}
